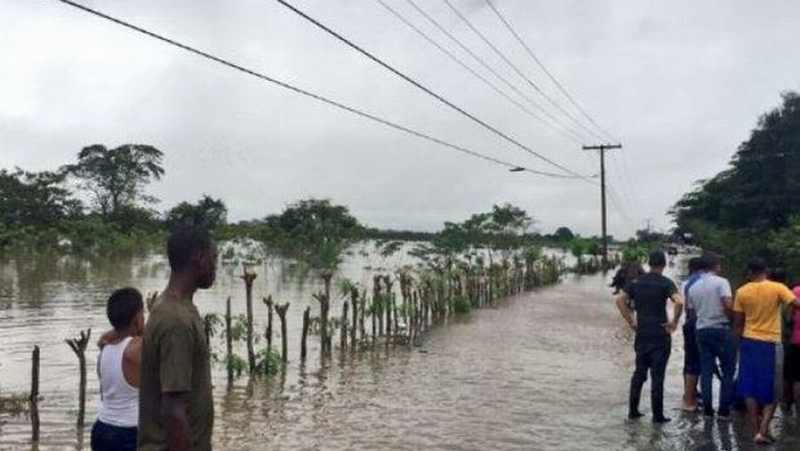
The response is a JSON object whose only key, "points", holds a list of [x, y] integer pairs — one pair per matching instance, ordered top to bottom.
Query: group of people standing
{"points": [[722, 332], [155, 378]]}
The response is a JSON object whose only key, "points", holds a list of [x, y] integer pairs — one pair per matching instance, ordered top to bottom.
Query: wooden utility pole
{"points": [[602, 148]]}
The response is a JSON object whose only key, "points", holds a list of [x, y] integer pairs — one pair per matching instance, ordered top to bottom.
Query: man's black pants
{"points": [[652, 356]]}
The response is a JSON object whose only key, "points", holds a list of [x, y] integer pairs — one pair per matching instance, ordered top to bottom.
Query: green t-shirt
{"points": [[175, 358]]}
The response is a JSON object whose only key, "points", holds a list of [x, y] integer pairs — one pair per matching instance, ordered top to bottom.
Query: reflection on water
{"points": [[544, 370]]}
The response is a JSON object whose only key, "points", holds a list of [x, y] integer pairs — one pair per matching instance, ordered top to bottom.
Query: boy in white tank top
{"points": [[118, 371]]}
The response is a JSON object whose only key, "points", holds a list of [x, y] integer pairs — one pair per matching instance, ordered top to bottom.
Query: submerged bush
{"points": [[462, 305], [268, 362], [236, 364], [15, 404]]}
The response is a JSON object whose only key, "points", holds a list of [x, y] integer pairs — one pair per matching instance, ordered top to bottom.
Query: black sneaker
{"points": [[635, 415], [661, 420]]}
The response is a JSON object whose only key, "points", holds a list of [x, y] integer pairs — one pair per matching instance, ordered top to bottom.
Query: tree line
{"points": [[100, 202], [752, 208]]}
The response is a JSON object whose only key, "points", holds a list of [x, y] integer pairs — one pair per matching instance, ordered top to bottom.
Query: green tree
{"points": [[116, 178], [760, 190], [35, 199], [209, 212], [735, 212], [507, 227], [502, 230], [314, 231], [564, 234], [650, 236], [784, 244], [447, 245]]}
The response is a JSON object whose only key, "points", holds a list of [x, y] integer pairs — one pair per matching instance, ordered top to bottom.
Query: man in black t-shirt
{"points": [[649, 320]]}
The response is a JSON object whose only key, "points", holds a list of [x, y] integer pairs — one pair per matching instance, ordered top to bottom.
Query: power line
{"points": [[465, 66], [518, 71], [549, 75], [427, 90], [306, 93], [574, 135], [627, 190], [614, 198], [622, 212]]}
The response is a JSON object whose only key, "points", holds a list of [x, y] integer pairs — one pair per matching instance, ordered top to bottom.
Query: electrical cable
{"points": [[466, 67], [518, 71], [548, 73], [425, 89], [306, 93], [577, 137]]}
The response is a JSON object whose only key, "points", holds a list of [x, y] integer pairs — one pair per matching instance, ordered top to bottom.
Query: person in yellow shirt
{"points": [[757, 309]]}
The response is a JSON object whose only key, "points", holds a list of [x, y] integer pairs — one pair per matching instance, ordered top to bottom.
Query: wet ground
{"points": [[546, 370]]}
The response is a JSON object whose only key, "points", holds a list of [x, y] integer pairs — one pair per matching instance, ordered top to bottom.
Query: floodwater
{"points": [[546, 370]]}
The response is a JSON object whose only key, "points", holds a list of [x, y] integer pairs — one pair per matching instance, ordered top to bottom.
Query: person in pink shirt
{"points": [[791, 363]]}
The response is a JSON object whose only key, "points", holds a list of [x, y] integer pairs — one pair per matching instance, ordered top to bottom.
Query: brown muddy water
{"points": [[546, 370]]}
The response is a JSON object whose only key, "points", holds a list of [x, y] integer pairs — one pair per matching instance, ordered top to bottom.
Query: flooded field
{"points": [[543, 370]]}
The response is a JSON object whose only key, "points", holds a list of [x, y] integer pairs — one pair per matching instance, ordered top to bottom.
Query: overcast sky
{"points": [[681, 83]]}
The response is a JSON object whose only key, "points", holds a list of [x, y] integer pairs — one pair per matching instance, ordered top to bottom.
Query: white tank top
{"points": [[119, 401]]}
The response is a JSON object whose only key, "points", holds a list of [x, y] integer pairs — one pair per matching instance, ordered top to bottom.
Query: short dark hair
{"points": [[184, 241], [657, 259], [712, 260], [697, 264], [757, 265], [778, 275], [123, 305]]}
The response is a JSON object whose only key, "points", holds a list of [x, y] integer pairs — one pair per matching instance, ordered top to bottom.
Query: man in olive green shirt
{"points": [[176, 406]]}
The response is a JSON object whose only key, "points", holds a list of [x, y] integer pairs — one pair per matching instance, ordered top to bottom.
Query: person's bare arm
{"points": [[727, 302], [625, 311], [677, 312], [738, 323], [108, 337], [132, 363], [174, 411]]}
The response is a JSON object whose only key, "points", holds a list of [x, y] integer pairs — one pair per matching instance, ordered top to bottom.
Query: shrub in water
{"points": [[462, 305]]}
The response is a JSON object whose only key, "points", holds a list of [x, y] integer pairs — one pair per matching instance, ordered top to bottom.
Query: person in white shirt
{"points": [[712, 301], [118, 367]]}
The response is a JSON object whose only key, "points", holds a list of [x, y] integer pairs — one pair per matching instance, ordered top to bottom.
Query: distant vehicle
{"points": [[672, 250]]}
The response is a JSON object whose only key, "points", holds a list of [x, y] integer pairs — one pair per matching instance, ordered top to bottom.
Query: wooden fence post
{"points": [[248, 278], [387, 281], [324, 299], [151, 301], [268, 302], [377, 306], [281, 310], [363, 310], [306, 321], [354, 330], [343, 332], [228, 341], [78, 345], [34, 398]]}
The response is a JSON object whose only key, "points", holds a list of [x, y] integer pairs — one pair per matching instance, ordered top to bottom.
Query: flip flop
{"points": [[761, 440]]}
